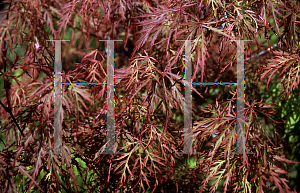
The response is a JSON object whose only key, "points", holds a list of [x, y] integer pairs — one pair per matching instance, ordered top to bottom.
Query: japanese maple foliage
{"points": [[149, 95]]}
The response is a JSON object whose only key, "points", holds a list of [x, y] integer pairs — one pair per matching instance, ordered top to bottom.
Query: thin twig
{"points": [[262, 52], [8, 109]]}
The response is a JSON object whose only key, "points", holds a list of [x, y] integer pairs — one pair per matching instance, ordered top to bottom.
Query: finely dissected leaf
{"points": [[282, 159], [22, 170]]}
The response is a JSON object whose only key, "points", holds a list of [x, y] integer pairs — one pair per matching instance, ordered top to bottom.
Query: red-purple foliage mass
{"points": [[149, 94]]}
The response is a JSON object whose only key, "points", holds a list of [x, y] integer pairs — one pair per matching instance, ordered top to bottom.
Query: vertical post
{"points": [[58, 98], [110, 98], [188, 100], [110, 122], [188, 132], [240, 144]]}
